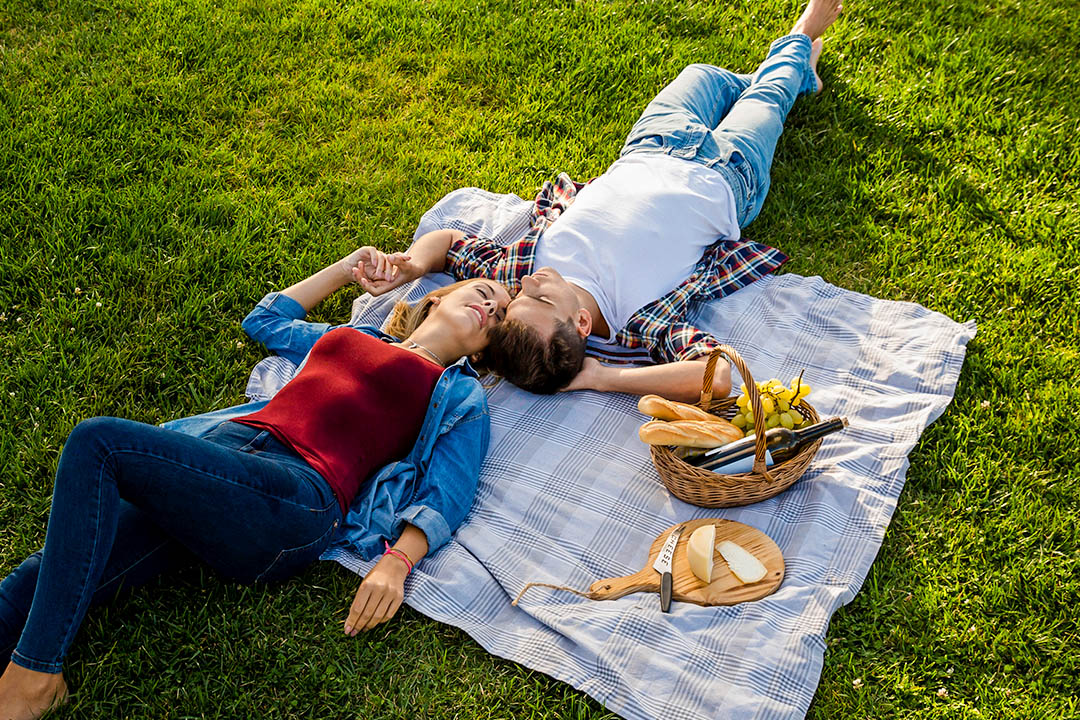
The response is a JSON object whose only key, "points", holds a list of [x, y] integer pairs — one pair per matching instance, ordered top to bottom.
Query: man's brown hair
{"points": [[521, 355]]}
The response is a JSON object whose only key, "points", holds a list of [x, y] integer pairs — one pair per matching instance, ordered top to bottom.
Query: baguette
{"points": [[663, 409], [690, 433]]}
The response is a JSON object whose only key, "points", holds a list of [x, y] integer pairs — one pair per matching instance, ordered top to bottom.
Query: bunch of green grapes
{"points": [[777, 402]]}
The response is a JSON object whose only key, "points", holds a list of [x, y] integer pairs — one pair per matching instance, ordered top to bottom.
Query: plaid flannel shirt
{"points": [[661, 327]]}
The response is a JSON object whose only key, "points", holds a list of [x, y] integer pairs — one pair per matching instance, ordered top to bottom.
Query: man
{"points": [[659, 230]]}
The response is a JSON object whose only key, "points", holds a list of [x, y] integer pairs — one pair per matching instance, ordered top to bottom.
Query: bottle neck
{"points": [[821, 429], [801, 438], [780, 441]]}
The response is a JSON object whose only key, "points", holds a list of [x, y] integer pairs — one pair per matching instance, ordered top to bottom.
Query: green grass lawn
{"points": [[163, 164]]}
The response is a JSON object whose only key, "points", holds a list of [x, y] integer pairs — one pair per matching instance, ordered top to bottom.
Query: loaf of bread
{"points": [[662, 409], [690, 433]]}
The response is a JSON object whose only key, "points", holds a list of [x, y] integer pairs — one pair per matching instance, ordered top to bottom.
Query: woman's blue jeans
{"points": [[728, 121], [132, 501]]}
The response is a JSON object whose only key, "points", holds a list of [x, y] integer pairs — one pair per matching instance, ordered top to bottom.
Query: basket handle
{"points": [[705, 401]]}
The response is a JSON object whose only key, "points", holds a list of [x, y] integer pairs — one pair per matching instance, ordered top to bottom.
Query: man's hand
{"points": [[378, 272], [589, 378], [379, 596]]}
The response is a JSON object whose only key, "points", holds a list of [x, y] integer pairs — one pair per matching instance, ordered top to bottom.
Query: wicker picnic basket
{"points": [[708, 489]]}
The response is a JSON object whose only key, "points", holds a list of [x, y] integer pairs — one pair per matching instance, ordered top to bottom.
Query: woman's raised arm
{"points": [[313, 289], [278, 321]]}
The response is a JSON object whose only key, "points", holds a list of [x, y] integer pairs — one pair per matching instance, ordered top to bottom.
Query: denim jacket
{"points": [[432, 487]]}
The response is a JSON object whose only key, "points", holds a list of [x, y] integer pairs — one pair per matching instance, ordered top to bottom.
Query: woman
{"points": [[260, 490]]}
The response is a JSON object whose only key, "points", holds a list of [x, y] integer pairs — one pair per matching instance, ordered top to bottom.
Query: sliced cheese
{"points": [[699, 551], [747, 568]]}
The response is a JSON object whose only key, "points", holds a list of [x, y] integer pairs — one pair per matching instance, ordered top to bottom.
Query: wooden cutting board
{"points": [[725, 588]]}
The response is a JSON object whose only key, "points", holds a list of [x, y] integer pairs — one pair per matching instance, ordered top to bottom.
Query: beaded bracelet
{"points": [[400, 555]]}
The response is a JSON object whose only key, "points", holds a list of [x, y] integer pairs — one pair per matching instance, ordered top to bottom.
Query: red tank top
{"points": [[357, 404]]}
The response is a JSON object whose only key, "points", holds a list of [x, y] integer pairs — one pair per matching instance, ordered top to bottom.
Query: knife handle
{"points": [[665, 592]]}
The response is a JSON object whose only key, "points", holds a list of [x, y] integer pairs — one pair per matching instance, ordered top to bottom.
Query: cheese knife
{"points": [[662, 565]]}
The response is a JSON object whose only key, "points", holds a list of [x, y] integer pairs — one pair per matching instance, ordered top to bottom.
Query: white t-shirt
{"points": [[635, 233]]}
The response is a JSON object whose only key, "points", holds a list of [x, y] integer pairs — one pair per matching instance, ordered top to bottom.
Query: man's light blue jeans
{"points": [[728, 121]]}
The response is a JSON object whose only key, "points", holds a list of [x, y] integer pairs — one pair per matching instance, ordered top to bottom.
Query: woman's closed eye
{"points": [[487, 294]]}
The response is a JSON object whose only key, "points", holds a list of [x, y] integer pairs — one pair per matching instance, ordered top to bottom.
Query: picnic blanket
{"points": [[568, 495]]}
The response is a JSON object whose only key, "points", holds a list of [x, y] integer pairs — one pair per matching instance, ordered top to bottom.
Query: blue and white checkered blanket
{"points": [[568, 495]]}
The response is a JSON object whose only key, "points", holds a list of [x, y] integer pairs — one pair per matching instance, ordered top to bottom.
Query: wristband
{"points": [[400, 555]]}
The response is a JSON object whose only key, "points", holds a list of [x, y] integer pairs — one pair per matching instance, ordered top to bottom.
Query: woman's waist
{"points": [[264, 443], [344, 460]]}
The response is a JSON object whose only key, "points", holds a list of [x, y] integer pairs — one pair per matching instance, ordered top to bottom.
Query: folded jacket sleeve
{"points": [[474, 257], [278, 323], [683, 341], [447, 486]]}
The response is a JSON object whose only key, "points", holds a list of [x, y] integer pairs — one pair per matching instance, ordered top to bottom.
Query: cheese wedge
{"points": [[699, 552], [747, 568]]}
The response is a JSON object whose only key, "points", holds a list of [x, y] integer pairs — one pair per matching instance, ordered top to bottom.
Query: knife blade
{"points": [[662, 565]]}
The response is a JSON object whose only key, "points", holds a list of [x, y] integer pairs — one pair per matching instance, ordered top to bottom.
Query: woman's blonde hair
{"points": [[405, 318]]}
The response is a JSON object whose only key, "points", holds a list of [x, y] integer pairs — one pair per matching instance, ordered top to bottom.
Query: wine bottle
{"points": [[781, 442]]}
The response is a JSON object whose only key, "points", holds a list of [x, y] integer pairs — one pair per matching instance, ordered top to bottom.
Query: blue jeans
{"points": [[728, 121], [132, 501]]}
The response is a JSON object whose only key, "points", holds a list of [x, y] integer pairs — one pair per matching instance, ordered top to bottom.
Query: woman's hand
{"points": [[378, 272], [379, 596]]}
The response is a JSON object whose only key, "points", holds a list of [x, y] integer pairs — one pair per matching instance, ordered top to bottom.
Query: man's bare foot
{"points": [[817, 17], [815, 54], [27, 695]]}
